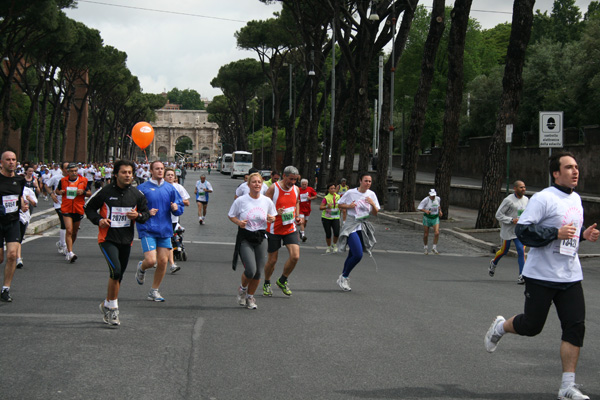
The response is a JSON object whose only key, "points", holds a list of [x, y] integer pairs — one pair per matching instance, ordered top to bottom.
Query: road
{"points": [[411, 328]]}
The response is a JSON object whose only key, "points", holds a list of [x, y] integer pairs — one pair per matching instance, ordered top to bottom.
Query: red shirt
{"points": [[305, 204]]}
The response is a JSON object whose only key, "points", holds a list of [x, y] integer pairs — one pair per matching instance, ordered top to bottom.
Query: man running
{"points": [[170, 176], [274, 178], [51, 186], [203, 188], [73, 189], [11, 191], [307, 194], [285, 195], [430, 207], [115, 209], [508, 215], [552, 225], [155, 234]]}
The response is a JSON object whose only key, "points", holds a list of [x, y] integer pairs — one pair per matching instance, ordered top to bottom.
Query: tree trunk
{"points": [[512, 88], [454, 94], [417, 122]]}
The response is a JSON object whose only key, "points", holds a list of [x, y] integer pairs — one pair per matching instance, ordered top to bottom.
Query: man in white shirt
{"points": [[202, 191], [432, 211], [508, 215], [552, 225]]}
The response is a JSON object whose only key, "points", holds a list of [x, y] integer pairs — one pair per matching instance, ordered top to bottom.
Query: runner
{"points": [[170, 177], [274, 178], [31, 179], [52, 184], [203, 188], [243, 188], [73, 189], [341, 189], [11, 190], [307, 194], [285, 195], [29, 198], [430, 207], [115, 209], [251, 213], [508, 215], [330, 217], [552, 225], [358, 232], [155, 234]]}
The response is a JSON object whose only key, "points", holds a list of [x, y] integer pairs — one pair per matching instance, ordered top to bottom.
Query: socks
{"points": [[63, 236], [434, 247], [283, 279], [5, 288], [112, 304], [500, 329], [568, 379]]}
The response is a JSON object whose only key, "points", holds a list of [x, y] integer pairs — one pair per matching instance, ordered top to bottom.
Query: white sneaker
{"points": [[61, 248], [334, 248], [328, 250], [426, 251], [434, 251], [71, 257], [19, 263], [174, 268], [139, 274], [520, 280], [343, 283], [154, 295], [241, 297], [251, 303], [491, 337], [572, 392]]}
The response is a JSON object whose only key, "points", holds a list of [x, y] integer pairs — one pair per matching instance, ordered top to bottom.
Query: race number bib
{"points": [[71, 192], [304, 197], [10, 203], [363, 209], [333, 213], [118, 217], [287, 217], [569, 247]]}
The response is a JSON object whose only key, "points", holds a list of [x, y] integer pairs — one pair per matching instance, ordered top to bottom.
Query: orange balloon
{"points": [[142, 134]]}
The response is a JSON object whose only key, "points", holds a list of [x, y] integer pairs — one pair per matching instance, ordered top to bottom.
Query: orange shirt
{"points": [[71, 202], [284, 224]]}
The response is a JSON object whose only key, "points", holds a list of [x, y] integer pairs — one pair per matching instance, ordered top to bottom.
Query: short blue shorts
{"points": [[150, 243]]}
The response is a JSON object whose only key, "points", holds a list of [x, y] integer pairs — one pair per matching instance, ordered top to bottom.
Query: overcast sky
{"points": [[183, 43]]}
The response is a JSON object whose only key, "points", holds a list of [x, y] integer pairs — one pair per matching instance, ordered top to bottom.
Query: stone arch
{"points": [[163, 153]]}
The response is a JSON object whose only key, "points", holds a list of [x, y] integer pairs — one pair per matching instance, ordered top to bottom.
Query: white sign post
{"points": [[551, 131], [509, 132]]}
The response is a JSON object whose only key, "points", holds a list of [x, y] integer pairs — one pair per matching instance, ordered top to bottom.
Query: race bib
{"points": [[71, 192], [201, 196], [304, 197], [10, 203], [363, 209], [519, 212], [333, 213], [118, 217], [287, 217], [569, 247]]}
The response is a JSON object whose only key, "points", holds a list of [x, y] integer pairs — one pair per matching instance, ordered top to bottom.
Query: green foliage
{"points": [[563, 25], [189, 99], [481, 99], [184, 143]]}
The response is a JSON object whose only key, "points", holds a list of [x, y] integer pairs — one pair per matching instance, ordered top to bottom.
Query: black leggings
{"points": [[60, 218], [331, 224], [117, 256], [570, 307]]}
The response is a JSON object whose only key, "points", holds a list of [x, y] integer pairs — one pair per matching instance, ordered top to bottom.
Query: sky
{"points": [[183, 43]]}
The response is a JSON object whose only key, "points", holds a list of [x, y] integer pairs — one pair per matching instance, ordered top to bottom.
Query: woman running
{"points": [[250, 213], [330, 218], [357, 233]]}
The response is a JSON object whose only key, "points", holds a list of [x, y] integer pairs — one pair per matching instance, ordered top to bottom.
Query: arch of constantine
{"points": [[171, 125]]}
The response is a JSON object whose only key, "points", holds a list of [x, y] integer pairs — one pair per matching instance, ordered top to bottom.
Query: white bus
{"points": [[218, 162], [242, 162], [226, 163]]}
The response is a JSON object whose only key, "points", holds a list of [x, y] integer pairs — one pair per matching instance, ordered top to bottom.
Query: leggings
{"points": [[60, 218], [331, 224], [23, 229], [355, 244], [504, 249], [117, 256], [253, 256]]}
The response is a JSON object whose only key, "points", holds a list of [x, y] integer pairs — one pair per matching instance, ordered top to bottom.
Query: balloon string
{"points": [[146, 156]]}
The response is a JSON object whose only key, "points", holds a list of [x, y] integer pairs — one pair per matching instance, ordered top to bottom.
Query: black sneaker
{"points": [[5, 296]]}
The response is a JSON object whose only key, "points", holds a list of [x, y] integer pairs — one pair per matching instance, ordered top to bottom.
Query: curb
{"points": [[39, 226]]}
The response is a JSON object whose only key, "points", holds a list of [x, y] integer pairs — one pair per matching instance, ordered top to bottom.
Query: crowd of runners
{"points": [[271, 214]]}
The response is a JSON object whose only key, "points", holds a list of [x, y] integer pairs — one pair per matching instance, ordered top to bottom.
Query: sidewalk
{"points": [[461, 224]]}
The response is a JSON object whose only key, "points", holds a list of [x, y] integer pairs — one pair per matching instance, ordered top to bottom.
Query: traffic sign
{"points": [[551, 129], [509, 132]]}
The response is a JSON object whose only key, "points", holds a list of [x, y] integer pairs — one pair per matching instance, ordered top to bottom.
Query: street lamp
{"points": [[392, 72]]}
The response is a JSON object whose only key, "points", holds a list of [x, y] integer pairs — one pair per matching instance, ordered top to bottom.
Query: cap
{"points": [[72, 165], [252, 171], [432, 192]]}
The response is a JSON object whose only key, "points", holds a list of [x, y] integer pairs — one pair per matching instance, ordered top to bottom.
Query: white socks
{"points": [[63, 236], [111, 304], [568, 379]]}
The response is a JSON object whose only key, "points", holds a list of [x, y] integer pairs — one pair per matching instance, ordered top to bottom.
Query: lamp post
{"points": [[392, 72], [332, 92]]}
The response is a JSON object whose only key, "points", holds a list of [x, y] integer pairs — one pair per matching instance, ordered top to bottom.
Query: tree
{"points": [[512, 87], [189, 99]]}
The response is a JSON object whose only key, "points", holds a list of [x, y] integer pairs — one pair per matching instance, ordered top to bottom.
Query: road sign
{"points": [[551, 129], [509, 132]]}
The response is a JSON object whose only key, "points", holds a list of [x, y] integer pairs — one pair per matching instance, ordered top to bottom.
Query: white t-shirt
{"points": [[108, 172], [89, 173], [53, 184], [201, 188], [245, 189], [184, 196], [433, 206], [510, 208], [362, 209], [254, 211], [25, 217], [557, 261]]}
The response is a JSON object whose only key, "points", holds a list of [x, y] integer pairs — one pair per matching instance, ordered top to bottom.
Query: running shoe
{"points": [[303, 237], [60, 248], [334, 248], [328, 250], [426, 251], [434, 251], [71, 257], [19, 263], [174, 268], [492, 268], [139, 274], [520, 280], [344, 283], [284, 287], [267, 291], [153, 295], [5, 296], [241, 297], [251, 303], [105, 313], [113, 317], [491, 337], [572, 392]]}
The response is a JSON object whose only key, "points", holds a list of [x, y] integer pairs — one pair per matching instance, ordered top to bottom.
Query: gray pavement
{"points": [[412, 327]]}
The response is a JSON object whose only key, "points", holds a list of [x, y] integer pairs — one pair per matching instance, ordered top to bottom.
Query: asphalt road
{"points": [[411, 328]]}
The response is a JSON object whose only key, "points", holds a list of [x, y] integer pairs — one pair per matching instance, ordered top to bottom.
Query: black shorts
{"points": [[203, 202], [75, 217], [60, 218], [10, 233], [275, 241], [117, 256]]}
